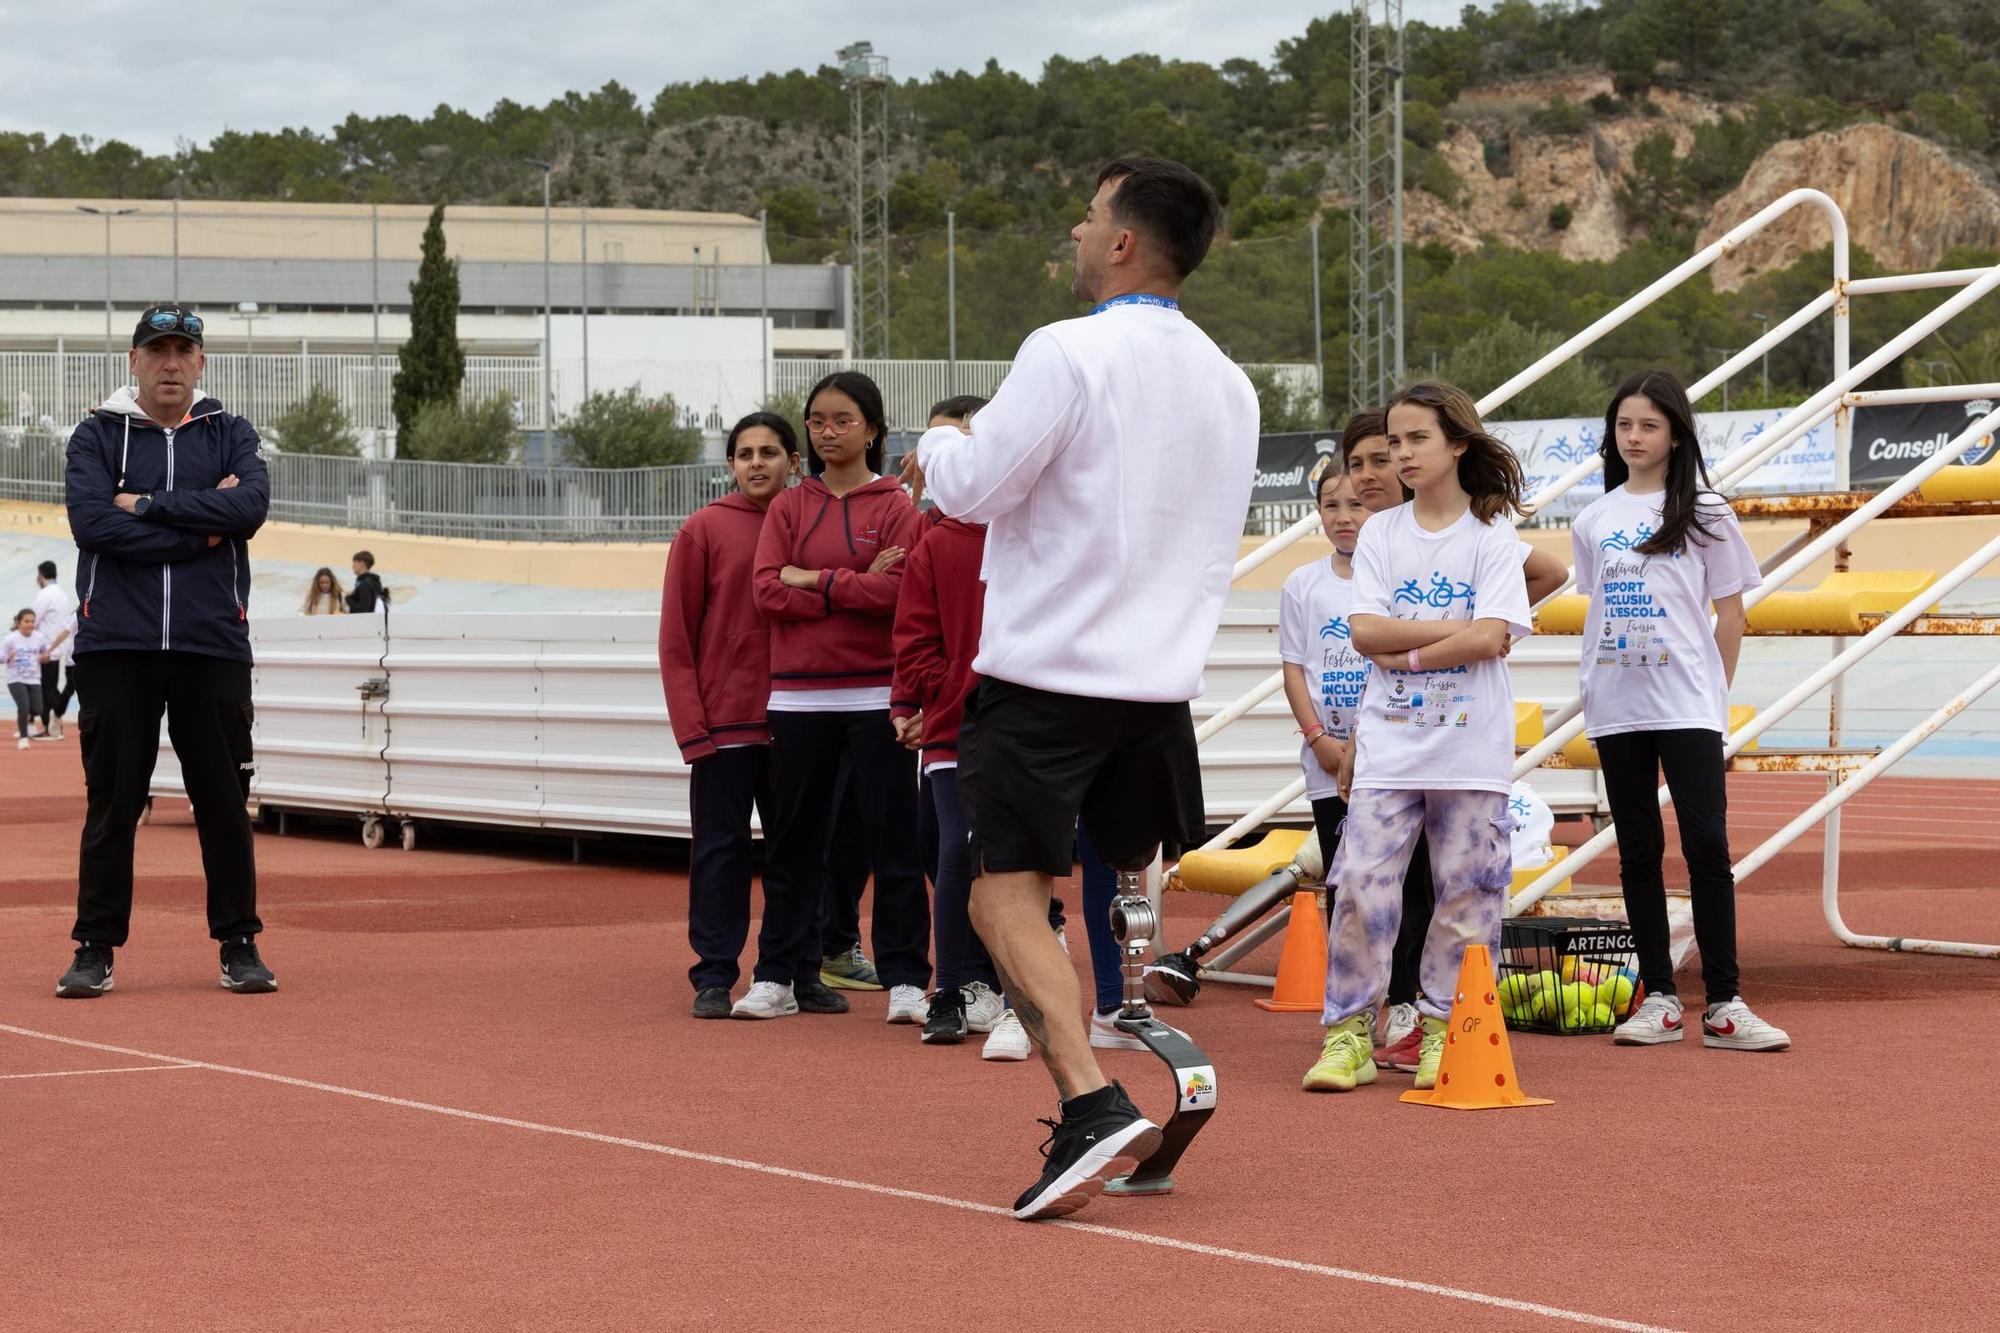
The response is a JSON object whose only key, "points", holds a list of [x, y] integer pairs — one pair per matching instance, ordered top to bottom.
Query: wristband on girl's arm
{"points": [[1414, 664], [1312, 733]]}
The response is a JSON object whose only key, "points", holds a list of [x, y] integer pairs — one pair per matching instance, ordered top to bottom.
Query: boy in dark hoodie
{"points": [[828, 570], [715, 666]]}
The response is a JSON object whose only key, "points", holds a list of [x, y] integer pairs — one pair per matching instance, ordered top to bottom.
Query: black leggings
{"points": [[1692, 759]]}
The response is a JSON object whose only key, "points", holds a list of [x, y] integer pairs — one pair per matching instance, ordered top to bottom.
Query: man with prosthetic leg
{"points": [[1113, 469]]}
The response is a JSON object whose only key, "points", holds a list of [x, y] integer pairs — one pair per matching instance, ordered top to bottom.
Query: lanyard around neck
{"points": [[1138, 298]]}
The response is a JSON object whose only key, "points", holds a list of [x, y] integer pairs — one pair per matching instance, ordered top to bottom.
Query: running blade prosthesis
{"points": [[1134, 925]]}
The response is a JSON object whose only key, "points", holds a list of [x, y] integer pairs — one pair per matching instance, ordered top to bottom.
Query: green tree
{"points": [[1502, 350], [430, 366], [1282, 404], [315, 424], [620, 428], [479, 432]]}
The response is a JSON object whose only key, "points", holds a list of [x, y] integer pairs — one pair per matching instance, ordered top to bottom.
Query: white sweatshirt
{"points": [[1114, 467]]}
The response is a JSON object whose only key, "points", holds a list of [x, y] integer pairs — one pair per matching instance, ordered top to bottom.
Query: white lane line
{"points": [[127, 1069], [884, 1191]]}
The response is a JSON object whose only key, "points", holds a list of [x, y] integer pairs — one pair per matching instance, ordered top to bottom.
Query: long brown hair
{"points": [[1487, 470], [1687, 474], [335, 596]]}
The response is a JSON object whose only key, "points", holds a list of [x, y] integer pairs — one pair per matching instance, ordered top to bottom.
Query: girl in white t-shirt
{"points": [[1652, 555], [1438, 591], [23, 652], [1324, 675]]}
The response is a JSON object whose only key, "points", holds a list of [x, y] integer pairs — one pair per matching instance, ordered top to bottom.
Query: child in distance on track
{"points": [[1652, 554], [1438, 590], [24, 649], [715, 667]]}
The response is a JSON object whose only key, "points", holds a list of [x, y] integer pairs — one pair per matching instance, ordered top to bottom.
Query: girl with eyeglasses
{"points": [[827, 573]]}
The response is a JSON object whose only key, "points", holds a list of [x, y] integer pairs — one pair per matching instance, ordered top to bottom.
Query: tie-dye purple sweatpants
{"points": [[1471, 863]]}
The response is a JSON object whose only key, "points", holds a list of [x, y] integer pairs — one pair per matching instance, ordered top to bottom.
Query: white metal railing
{"points": [[1837, 399]]}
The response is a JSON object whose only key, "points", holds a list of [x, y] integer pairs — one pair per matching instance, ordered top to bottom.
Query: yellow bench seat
{"points": [[1837, 604], [1235, 870]]}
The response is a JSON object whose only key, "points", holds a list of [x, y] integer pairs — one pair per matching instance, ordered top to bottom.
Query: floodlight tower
{"points": [[865, 75], [1375, 204]]}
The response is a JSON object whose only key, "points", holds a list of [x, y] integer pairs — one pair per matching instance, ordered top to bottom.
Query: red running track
{"points": [[478, 1102]]}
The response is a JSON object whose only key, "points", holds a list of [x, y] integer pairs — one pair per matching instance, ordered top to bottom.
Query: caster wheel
{"points": [[371, 833], [409, 836]]}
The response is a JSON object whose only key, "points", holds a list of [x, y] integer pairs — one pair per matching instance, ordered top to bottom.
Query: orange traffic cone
{"points": [[1301, 984], [1478, 1069]]}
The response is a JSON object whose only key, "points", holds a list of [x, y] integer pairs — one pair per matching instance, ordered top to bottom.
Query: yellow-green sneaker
{"points": [[850, 971], [1430, 1052], [1346, 1058]]}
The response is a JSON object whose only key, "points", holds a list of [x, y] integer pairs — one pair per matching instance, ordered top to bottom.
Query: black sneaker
{"points": [[242, 970], [89, 975], [1174, 980], [816, 997], [711, 1002], [945, 1024], [1101, 1136]]}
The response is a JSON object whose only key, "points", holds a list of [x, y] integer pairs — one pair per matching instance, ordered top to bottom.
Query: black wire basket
{"points": [[1569, 976]]}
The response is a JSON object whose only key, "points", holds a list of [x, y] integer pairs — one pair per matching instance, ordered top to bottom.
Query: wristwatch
{"points": [[143, 503]]}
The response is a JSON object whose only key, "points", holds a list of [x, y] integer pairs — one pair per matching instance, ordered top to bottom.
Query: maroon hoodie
{"points": [[938, 614], [836, 635], [715, 650]]}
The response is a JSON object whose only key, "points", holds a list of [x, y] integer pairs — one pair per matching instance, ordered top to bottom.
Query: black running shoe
{"points": [[243, 971], [88, 975], [1175, 980], [816, 997], [711, 1002], [945, 1024], [1101, 1136]]}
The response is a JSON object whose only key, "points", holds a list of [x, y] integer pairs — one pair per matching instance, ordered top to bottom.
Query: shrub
{"points": [[1559, 217], [315, 424], [619, 428], [479, 432]]}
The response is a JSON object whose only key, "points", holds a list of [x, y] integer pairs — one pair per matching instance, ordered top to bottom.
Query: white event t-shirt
{"points": [[1313, 634], [23, 653], [1649, 656], [1450, 729]]}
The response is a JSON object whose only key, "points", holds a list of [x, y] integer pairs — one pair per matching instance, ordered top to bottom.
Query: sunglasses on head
{"points": [[174, 321]]}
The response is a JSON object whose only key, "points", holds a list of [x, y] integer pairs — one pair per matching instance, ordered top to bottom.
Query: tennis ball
{"points": [[1569, 967], [1547, 983], [1514, 991], [1620, 998], [1577, 1002], [1602, 1016]]}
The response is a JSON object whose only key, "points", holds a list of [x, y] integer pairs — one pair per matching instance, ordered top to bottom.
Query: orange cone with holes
{"points": [[1301, 985], [1477, 1072]]}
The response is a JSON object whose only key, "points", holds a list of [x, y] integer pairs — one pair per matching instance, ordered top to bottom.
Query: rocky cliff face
{"points": [[1905, 200]]}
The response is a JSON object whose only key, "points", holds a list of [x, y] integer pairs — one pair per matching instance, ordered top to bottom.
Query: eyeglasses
{"points": [[174, 321], [831, 425]]}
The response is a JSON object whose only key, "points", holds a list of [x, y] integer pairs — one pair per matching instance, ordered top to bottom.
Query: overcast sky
{"points": [[149, 73]]}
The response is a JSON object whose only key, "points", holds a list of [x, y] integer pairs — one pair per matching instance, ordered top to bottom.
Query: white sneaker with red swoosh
{"points": [[1656, 1020], [1732, 1027]]}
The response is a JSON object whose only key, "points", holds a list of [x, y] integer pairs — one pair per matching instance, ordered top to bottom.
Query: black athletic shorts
{"points": [[1030, 763]]}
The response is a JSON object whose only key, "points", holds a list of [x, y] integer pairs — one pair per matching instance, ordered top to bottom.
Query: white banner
{"points": [[1547, 449]]}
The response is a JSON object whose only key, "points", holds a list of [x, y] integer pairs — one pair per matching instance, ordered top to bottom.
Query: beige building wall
{"points": [[214, 229]]}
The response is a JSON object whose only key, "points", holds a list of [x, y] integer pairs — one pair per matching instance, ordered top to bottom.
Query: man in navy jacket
{"points": [[164, 490]]}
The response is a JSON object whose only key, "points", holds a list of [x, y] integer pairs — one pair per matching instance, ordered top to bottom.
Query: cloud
{"points": [[150, 74]]}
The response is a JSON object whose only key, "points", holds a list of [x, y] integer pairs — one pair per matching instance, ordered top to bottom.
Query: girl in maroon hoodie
{"points": [[828, 569], [938, 616], [715, 663]]}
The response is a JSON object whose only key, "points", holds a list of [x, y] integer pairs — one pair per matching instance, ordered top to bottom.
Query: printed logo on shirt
{"points": [[1618, 541], [1441, 594], [1336, 628]]}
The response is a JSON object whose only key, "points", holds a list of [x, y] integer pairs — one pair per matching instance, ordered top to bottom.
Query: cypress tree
{"points": [[430, 365]]}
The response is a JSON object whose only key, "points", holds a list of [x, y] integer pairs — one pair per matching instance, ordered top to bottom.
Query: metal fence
{"points": [[54, 390], [496, 502]]}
